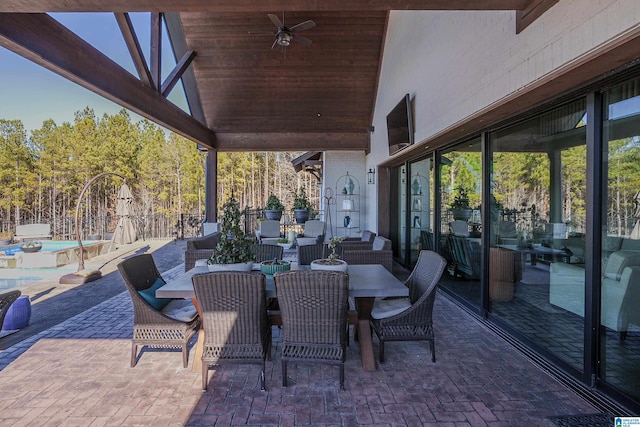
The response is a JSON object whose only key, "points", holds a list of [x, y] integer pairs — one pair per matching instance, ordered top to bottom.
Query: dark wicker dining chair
{"points": [[266, 252], [314, 305], [234, 318], [414, 321], [157, 322]]}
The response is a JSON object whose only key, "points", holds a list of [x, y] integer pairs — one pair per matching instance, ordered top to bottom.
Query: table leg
{"points": [[364, 305], [197, 354]]}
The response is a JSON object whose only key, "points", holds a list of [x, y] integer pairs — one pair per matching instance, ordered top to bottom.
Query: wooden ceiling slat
{"points": [[40, 6], [257, 98], [291, 141]]}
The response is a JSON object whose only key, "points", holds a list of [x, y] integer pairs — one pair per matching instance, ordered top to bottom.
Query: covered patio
{"points": [[78, 373]]}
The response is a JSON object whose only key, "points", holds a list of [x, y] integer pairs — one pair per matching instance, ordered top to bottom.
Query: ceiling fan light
{"points": [[284, 39]]}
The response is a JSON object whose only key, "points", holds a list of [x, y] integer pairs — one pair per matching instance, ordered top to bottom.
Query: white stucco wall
{"points": [[454, 64], [336, 164]]}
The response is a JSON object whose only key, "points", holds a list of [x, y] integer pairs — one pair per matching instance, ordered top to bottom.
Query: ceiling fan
{"points": [[285, 35]]}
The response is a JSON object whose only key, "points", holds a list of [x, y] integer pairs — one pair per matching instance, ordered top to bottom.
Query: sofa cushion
{"points": [[611, 243], [630, 245], [618, 261], [149, 295]]}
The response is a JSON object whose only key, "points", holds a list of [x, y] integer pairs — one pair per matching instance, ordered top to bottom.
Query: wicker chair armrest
{"points": [[350, 245], [190, 257], [384, 257]]}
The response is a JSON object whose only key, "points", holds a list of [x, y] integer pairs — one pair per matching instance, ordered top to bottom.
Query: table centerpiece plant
{"points": [[274, 207], [284, 242], [234, 250], [332, 261]]}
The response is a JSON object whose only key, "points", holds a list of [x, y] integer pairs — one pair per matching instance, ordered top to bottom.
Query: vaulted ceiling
{"points": [[243, 95]]}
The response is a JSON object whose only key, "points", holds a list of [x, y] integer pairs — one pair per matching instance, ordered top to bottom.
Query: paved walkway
{"points": [[77, 373]]}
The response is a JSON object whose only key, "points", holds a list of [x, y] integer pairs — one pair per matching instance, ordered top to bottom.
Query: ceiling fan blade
{"points": [[276, 21], [303, 26], [261, 33], [302, 40], [275, 43]]}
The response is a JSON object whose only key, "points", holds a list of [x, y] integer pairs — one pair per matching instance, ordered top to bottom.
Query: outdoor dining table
{"points": [[366, 283]]}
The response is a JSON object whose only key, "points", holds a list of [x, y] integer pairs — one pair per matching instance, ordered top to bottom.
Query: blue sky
{"points": [[34, 94]]}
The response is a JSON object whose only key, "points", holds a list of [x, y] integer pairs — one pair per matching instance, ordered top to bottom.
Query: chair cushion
{"points": [[618, 261], [149, 295], [383, 308], [182, 310]]}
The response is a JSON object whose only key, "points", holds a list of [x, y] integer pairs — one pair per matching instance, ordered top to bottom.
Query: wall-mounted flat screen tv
{"points": [[400, 125]]}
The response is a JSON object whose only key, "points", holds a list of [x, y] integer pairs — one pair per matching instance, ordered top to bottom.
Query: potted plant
{"points": [[301, 206], [460, 207], [273, 209], [5, 237], [284, 242], [32, 246], [234, 250], [332, 261]]}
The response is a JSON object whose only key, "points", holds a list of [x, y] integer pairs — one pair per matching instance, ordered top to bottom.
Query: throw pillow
{"points": [[149, 295]]}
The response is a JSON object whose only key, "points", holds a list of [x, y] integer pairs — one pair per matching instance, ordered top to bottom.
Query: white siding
{"points": [[454, 64]]}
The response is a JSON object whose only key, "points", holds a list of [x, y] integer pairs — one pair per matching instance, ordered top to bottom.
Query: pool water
{"points": [[47, 246], [6, 284]]}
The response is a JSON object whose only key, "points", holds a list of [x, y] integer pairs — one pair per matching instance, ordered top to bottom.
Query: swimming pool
{"points": [[47, 246], [54, 253], [17, 282]]}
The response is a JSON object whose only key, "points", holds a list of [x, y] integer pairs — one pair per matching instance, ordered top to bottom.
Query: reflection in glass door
{"points": [[538, 217], [420, 218], [460, 222], [620, 286]]}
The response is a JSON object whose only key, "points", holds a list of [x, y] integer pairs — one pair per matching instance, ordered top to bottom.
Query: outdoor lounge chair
{"points": [[268, 232], [313, 233], [363, 242], [199, 248], [266, 252], [380, 253], [465, 254], [314, 305], [234, 318], [409, 319], [157, 322]]}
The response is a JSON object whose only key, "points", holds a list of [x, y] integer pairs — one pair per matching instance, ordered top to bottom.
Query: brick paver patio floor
{"points": [[77, 373]]}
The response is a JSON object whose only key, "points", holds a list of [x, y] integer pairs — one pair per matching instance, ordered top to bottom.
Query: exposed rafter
{"points": [[253, 6], [43, 40], [133, 45]]}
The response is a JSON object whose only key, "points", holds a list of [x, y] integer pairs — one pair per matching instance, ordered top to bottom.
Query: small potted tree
{"points": [[301, 206], [460, 208], [273, 209], [234, 250], [332, 261]]}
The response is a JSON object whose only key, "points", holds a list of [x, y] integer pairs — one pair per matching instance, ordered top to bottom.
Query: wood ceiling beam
{"points": [[41, 6], [525, 17], [43, 40], [131, 40], [177, 72], [291, 141]]}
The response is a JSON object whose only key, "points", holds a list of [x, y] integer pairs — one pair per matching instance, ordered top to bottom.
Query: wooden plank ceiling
{"points": [[299, 98]]}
